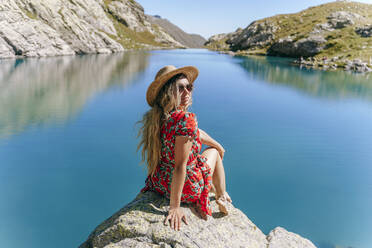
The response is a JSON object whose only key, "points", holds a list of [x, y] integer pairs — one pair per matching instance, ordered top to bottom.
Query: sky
{"points": [[209, 17]]}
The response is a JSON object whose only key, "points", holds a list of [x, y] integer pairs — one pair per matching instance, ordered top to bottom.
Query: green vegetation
{"points": [[106, 2], [30, 14], [130, 39], [343, 43], [218, 45]]}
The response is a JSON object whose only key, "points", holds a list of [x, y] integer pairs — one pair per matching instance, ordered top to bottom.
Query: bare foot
{"points": [[222, 202]]}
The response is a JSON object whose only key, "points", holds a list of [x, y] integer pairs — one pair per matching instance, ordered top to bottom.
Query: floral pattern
{"points": [[198, 179]]}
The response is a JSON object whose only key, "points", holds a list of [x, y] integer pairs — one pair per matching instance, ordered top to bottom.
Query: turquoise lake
{"points": [[298, 143]]}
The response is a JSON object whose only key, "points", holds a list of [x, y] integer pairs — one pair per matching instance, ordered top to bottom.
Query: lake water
{"points": [[298, 143]]}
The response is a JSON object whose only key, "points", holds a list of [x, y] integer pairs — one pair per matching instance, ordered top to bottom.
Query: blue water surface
{"points": [[298, 143]]}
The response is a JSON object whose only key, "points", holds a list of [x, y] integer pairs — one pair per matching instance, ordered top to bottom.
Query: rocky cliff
{"points": [[64, 27], [339, 30], [188, 40], [140, 224]]}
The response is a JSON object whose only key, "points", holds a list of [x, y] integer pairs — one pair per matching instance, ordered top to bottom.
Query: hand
{"points": [[220, 150], [175, 215]]}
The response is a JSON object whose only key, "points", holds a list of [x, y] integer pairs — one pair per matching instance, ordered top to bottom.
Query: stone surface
{"points": [[341, 19], [65, 27], [364, 31], [256, 35], [224, 40], [304, 47], [140, 224], [279, 237]]}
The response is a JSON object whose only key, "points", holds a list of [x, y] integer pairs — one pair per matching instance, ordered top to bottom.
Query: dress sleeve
{"points": [[186, 125]]}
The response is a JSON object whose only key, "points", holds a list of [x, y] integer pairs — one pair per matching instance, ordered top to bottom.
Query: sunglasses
{"points": [[189, 87]]}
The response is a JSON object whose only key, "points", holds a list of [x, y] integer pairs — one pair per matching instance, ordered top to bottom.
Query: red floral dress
{"points": [[198, 173]]}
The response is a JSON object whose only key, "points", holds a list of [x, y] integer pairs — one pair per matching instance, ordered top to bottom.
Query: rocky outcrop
{"points": [[132, 15], [341, 19], [337, 20], [64, 27], [328, 30], [364, 31], [22, 35], [256, 35], [188, 40], [222, 41], [304, 47], [334, 63], [140, 224]]}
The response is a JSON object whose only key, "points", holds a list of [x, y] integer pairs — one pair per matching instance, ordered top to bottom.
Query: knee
{"points": [[210, 149], [213, 151]]}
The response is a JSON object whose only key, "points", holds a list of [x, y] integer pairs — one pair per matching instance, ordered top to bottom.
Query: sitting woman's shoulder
{"points": [[182, 114], [186, 124]]}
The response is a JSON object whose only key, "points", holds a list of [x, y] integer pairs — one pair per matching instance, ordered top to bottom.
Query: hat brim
{"points": [[191, 73]]}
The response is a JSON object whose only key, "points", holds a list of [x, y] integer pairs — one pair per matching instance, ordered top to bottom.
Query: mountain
{"points": [[65, 27], [340, 30], [188, 40]]}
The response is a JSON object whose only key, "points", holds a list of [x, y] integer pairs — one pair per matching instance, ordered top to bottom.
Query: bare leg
{"points": [[218, 172], [218, 176]]}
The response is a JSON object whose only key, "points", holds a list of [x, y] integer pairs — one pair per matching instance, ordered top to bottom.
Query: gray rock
{"points": [[131, 14], [341, 19], [336, 20], [82, 24], [65, 27], [364, 31], [256, 35], [27, 36], [224, 40], [304, 47], [6, 51], [140, 224], [279, 237]]}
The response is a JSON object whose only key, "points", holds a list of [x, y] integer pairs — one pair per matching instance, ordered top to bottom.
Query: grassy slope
{"points": [[128, 38], [341, 42]]}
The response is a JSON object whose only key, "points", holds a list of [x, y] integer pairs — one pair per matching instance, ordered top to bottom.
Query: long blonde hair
{"points": [[152, 120]]}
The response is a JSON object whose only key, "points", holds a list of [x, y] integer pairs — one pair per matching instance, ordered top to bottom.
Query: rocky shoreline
{"points": [[332, 64], [356, 65], [140, 224]]}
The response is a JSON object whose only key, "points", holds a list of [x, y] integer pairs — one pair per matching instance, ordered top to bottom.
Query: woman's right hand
{"points": [[220, 150], [175, 215]]}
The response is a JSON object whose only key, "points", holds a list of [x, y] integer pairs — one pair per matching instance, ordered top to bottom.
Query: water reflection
{"points": [[325, 84], [39, 91]]}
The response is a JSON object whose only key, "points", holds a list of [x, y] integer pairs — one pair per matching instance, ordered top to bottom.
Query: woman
{"points": [[171, 143]]}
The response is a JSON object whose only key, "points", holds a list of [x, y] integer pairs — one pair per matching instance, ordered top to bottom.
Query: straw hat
{"points": [[166, 73]]}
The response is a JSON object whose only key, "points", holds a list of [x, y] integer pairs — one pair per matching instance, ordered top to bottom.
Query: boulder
{"points": [[341, 19], [364, 31], [305, 47], [140, 224]]}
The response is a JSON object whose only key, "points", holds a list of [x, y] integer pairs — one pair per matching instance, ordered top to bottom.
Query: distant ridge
{"points": [[188, 40]]}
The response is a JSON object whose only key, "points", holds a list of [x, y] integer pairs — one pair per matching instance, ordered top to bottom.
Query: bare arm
{"points": [[209, 141], [182, 149], [181, 154]]}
